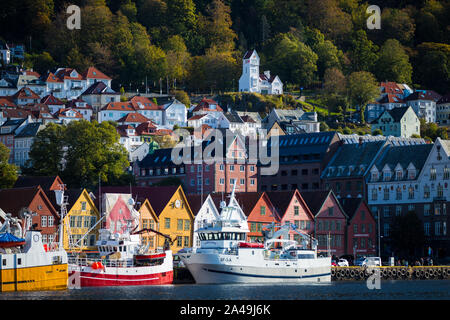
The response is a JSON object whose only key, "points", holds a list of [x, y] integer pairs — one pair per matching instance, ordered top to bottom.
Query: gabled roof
{"points": [[248, 54], [65, 73], [94, 73], [52, 78], [99, 87], [391, 87], [25, 93], [427, 95], [391, 98], [50, 99], [7, 103], [144, 103], [73, 104], [206, 105], [119, 106], [16, 113], [64, 113], [396, 114], [134, 117], [233, 117], [30, 130], [46, 182], [158, 196], [316, 199], [13, 200], [248, 200], [350, 205]]}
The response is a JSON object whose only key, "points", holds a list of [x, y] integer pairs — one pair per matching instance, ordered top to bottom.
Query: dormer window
{"points": [[411, 174], [386, 175], [398, 175], [374, 176]]}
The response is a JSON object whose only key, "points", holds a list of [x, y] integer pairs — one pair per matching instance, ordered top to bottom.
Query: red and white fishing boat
{"points": [[122, 261]]}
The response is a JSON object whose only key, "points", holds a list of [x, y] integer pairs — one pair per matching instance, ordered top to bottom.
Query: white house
{"points": [[252, 81], [423, 105], [82, 107], [443, 109], [175, 113], [398, 122], [23, 142]]}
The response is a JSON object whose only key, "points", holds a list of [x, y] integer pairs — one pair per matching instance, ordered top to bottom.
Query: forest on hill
{"points": [[198, 45]]}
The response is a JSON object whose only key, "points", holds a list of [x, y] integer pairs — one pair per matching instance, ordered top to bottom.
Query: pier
{"points": [[391, 273]]}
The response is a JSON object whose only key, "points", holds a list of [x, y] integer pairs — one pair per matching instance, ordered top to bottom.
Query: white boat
{"points": [[225, 257], [123, 260]]}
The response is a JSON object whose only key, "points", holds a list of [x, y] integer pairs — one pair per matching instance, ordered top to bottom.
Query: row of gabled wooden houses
{"points": [[341, 226]]}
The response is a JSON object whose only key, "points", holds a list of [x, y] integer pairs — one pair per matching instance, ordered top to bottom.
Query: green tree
{"points": [[397, 24], [363, 52], [178, 58], [41, 62], [393, 63], [334, 81], [362, 88], [432, 131], [47, 151], [80, 153], [8, 172]]}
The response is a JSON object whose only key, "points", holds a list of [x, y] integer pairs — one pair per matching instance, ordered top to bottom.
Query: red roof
{"points": [[32, 73], [65, 73], [94, 73], [52, 78], [391, 87], [25, 93], [391, 98], [51, 99], [5, 102], [144, 103], [72, 104], [205, 105], [120, 106], [63, 112], [16, 113], [133, 117], [196, 117], [146, 127]]}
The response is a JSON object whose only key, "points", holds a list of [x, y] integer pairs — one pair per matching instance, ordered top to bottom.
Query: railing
{"points": [[83, 262]]}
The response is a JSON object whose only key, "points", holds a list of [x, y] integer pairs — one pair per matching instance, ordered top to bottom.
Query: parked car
{"points": [[359, 261], [369, 262], [342, 263]]}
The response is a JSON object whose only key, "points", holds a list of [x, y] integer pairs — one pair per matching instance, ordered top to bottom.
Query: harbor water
{"points": [[336, 290]]}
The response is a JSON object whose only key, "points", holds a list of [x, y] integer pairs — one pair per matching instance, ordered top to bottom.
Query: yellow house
{"points": [[170, 209], [174, 214], [82, 215], [148, 219]]}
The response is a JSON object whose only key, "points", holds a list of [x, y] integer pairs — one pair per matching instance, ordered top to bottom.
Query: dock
{"points": [[391, 273]]}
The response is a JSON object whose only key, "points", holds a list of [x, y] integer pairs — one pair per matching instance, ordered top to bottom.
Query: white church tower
{"points": [[249, 81], [252, 81]]}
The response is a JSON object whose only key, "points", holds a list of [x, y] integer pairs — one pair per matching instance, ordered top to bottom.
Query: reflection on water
{"points": [[398, 289]]}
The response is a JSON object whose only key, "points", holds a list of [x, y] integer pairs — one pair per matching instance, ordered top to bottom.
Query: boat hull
{"points": [[211, 269], [114, 278]]}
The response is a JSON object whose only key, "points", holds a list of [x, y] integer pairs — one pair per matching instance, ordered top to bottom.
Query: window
{"points": [[231, 167], [242, 168], [432, 173], [446, 173], [398, 175], [221, 181], [232, 181], [242, 181], [440, 191], [410, 192], [426, 192], [386, 193], [398, 193], [374, 194], [83, 205], [263, 210], [296, 210], [398, 210], [426, 210], [330, 211], [386, 211], [43, 221], [50, 221], [72, 221], [87, 222], [167, 223], [179, 224], [187, 225], [338, 226], [355, 228], [426, 228], [437, 228], [386, 229], [179, 241], [186, 241]]}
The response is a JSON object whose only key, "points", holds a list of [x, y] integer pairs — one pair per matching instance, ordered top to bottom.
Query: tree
{"points": [[397, 24], [363, 52], [178, 58], [294, 61], [40, 63], [393, 63], [432, 66], [334, 81], [362, 88], [432, 131], [47, 152], [80, 153], [8, 172], [407, 235]]}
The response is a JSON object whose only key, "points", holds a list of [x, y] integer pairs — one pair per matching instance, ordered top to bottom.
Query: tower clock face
{"points": [[177, 203]]}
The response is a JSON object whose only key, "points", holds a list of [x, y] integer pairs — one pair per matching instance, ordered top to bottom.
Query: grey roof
{"points": [[99, 87], [424, 95], [396, 114], [286, 115], [233, 117], [29, 130], [303, 147], [404, 155], [353, 160]]}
